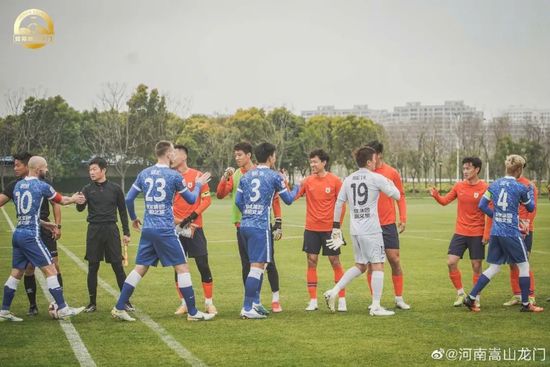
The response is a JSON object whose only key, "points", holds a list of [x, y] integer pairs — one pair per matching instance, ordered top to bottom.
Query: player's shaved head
{"points": [[36, 162], [514, 165]]}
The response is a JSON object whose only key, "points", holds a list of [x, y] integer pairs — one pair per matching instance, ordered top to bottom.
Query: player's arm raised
{"points": [[225, 186], [388, 187], [286, 195], [191, 197], [443, 200]]}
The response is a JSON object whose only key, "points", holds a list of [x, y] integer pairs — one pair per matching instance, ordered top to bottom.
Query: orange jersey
{"points": [[321, 194], [386, 205], [182, 209], [523, 213], [470, 220]]}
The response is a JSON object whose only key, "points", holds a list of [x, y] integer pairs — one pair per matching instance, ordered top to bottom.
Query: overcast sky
{"points": [[222, 55]]}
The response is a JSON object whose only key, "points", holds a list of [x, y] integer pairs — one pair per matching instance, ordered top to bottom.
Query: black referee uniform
{"points": [[103, 237]]}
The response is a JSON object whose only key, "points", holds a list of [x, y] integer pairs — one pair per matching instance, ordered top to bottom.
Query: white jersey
{"points": [[361, 190]]}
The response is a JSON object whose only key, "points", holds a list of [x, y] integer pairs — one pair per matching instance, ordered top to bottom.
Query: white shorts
{"points": [[369, 248]]}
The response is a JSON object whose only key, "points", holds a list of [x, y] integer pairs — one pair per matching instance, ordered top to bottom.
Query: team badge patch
{"points": [[190, 185], [327, 190], [476, 194]]}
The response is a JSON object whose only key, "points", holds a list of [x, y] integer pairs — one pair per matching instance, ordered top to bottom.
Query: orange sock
{"points": [[338, 274], [456, 278], [475, 278], [514, 280], [369, 281], [312, 282], [397, 284], [532, 287], [208, 289], [179, 292]]}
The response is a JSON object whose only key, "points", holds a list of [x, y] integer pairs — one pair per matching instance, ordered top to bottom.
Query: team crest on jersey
{"points": [[190, 185], [327, 190], [476, 195]]}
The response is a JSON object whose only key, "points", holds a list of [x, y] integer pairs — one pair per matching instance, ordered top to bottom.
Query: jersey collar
{"points": [[161, 165], [262, 167], [510, 177], [28, 178]]}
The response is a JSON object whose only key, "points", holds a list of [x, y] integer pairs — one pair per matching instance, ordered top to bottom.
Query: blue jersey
{"points": [[159, 184], [28, 195], [255, 195], [506, 195]]}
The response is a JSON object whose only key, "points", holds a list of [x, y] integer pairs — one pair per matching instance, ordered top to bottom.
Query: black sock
{"points": [[93, 268], [204, 268], [119, 273], [273, 276], [60, 279], [30, 288]]}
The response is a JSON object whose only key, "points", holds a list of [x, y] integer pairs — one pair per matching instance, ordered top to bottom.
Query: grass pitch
{"points": [[294, 337]]}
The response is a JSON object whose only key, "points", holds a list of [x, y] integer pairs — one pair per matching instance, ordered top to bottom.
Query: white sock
{"points": [[348, 276], [377, 284], [460, 292], [275, 297], [398, 299], [208, 301], [183, 302]]}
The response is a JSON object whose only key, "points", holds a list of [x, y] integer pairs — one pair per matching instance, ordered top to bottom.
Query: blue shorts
{"points": [[529, 241], [160, 244], [258, 244], [28, 247], [506, 250]]}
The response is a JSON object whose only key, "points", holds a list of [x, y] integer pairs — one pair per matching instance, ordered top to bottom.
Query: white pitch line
{"points": [[163, 334], [77, 345]]}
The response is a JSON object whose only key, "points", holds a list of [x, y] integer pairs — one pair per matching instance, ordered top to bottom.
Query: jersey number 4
{"points": [[360, 192], [502, 201]]}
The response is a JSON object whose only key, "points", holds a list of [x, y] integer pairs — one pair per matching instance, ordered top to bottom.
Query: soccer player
{"points": [[228, 185], [361, 190], [321, 191], [254, 197], [104, 198], [190, 216], [470, 224], [527, 226], [390, 231], [48, 237], [159, 240], [506, 244], [27, 245]]}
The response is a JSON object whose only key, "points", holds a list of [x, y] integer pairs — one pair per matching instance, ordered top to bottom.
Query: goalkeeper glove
{"points": [[277, 229], [336, 238]]}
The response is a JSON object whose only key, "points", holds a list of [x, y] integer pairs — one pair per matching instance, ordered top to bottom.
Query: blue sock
{"points": [[481, 283], [524, 284], [251, 291], [9, 293], [57, 294], [125, 294], [189, 297]]}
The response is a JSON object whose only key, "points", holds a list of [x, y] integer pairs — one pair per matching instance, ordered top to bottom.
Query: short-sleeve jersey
{"points": [[159, 184], [257, 187], [361, 190], [507, 194], [28, 195]]}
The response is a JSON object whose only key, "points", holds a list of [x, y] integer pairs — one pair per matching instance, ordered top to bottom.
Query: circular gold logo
{"points": [[33, 28]]}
